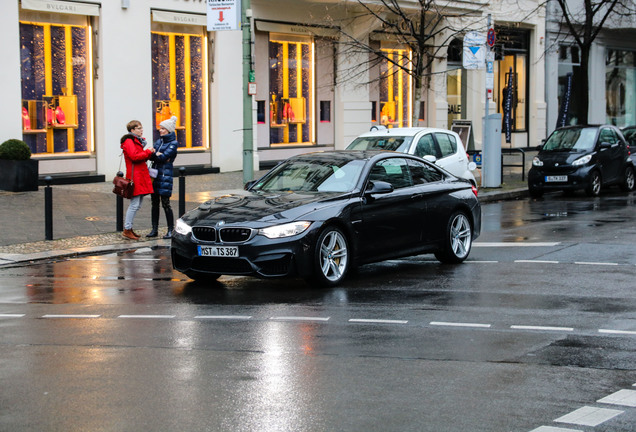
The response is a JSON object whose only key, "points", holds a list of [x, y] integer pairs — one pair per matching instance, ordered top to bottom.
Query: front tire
{"points": [[628, 179], [593, 188], [535, 192], [458, 239], [331, 258]]}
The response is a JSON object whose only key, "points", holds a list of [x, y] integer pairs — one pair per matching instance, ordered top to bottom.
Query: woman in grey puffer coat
{"points": [[165, 153]]}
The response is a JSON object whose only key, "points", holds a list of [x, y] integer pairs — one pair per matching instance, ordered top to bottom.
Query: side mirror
{"points": [[605, 145], [430, 158], [249, 184], [378, 187]]}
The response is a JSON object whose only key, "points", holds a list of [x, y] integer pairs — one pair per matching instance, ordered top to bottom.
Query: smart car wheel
{"points": [[628, 179], [594, 184], [535, 192], [457, 241], [331, 258]]}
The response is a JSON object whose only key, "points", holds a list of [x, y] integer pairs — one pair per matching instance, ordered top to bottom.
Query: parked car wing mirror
{"points": [[605, 145], [430, 158], [249, 184], [379, 187]]}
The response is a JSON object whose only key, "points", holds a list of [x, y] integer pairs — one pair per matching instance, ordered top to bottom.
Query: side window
{"points": [[608, 136], [447, 144], [426, 146], [394, 171], [422, 173]]}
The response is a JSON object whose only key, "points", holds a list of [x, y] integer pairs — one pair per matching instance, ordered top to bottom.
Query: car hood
{"points": [[552, 158], [258, 209]]}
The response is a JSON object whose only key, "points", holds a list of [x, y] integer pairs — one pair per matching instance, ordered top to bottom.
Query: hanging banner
{"points": [[224, 15], [565, 102], [507, 107]]}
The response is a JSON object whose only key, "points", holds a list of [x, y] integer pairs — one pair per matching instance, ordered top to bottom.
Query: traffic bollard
{"points": [[181, 191], [48, 209], [120, 209]]}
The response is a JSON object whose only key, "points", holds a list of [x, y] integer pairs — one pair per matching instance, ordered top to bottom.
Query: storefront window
{"points": [[516, 63], [55, 69], [455, 80], [620, 86], [178, 87], [395, 89], [291, 114]]}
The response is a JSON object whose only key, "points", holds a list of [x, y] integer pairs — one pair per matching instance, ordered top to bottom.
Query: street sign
{"points": [[224, 15], [490, 39], [474, 50]]}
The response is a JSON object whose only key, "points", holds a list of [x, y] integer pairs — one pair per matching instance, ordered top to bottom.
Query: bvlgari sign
{"points": [[66, 7], [224, 15]]}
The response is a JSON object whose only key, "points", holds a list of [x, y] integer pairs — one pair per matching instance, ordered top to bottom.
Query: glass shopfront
{"points": [[178, 84], [56, 86], [620, 87], [395, 89], [291, 90]]}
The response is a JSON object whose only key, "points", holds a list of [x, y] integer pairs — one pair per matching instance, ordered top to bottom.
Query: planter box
{"points": [[19, 175]]}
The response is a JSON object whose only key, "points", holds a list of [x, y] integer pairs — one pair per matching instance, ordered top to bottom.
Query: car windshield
{"points": [[571, 139], [393, 143], [312, 176]]}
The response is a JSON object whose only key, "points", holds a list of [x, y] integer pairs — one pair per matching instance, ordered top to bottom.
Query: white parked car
{"points": [[440, 146]]}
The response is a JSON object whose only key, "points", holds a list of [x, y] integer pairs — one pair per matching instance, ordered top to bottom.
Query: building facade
{"points": [[77, 71]]}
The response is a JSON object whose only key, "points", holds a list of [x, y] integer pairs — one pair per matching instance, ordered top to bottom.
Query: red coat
{"points": [[134, 154]]}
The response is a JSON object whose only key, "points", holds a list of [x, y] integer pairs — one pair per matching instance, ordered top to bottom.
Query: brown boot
{"points": [[128, 234], [135, 234]]}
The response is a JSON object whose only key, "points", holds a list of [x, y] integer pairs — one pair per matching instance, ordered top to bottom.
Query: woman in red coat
{"points": [[132, 145]]}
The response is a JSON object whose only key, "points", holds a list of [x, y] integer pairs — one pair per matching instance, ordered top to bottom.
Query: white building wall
{"points": [[11, 106]]}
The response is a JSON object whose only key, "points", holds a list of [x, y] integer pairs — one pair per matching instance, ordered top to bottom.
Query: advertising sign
{"points": [[224, 15], [474, 50]]}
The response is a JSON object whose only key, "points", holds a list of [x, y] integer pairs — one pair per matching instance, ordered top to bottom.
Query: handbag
{"points": [[153, 172], [123, 186]]}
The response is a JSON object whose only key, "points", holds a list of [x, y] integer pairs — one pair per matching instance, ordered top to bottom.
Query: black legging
{"points": [[165, 203]]}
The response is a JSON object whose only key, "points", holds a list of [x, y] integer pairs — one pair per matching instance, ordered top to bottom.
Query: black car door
{"points": [[610, 154], [390, 221]]}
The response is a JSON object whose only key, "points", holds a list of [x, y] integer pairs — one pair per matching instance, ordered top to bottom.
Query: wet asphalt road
{"points": [[538, 325]]}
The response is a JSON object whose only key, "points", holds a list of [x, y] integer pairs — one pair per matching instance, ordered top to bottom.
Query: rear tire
{"points": [[627, 184], [593, 188], [458, 239], [331, 258]]}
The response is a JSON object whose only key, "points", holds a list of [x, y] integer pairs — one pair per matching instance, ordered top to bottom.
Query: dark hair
{"points": [[132, 124]]}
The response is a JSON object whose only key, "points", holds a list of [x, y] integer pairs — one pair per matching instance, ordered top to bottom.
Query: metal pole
{"points": [[486, 111], [248, 144], [182, 189], [48, 209], [119, 216]]}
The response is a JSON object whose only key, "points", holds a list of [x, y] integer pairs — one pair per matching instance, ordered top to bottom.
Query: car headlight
{"points": [[582, 160], [537, 162], [182, 228], [285, 230]]}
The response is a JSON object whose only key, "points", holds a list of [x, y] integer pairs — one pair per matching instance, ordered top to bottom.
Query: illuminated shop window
{"points": [[55, 67], [620, 86], [178, 87], [395, 89], [291, 114]]}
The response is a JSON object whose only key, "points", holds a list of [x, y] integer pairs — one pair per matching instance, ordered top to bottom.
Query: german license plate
{"points": [[562, 178], [219, 251]]}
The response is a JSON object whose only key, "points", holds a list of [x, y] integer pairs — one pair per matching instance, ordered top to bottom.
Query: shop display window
{"points": [[518, 63], [55, 84], [620, 84], [178, 87], [395, 89], [291, 92]]}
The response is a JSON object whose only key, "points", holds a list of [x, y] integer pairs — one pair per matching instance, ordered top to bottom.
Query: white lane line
{"points": [[516, 244], [140, 259], [536, 261], [482, 262], [595, 263], [11, 315], [70, 316], [146, 316], [224, 317], [299, 318], [377, 321], [457, 324], [527, 327], [609, 331], [621, 397], [589, 416], [554, 429]]}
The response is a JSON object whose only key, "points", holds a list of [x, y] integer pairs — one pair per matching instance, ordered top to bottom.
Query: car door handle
{"points": [[417, 196]]}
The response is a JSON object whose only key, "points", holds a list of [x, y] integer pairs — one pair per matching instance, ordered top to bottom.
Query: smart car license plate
{"points": [[562, 178], [219, 251]]}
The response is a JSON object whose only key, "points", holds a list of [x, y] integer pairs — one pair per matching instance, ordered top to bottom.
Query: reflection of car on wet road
{"points": [[439, 146], [582, 157], [318, 214]]}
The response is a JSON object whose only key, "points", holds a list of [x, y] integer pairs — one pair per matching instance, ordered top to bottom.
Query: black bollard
{"points": [[181, 191], [48, 209], [120, 209]]}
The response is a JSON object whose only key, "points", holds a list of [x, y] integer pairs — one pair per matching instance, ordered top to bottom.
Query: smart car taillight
{"points": [[474, 189]]}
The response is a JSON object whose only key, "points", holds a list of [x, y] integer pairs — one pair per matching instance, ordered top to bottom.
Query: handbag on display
{"points": [[60, 117], [26, 120], [123, 186]]}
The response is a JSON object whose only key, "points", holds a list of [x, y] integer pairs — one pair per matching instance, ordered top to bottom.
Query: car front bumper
{"points": [[577, 178]]}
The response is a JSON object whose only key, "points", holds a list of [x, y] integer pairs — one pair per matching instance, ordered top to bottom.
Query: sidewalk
{"points": [[84, 215]]}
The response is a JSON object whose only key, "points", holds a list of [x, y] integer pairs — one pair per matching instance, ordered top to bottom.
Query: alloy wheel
{"points": [[461, 236], [334, 256]]}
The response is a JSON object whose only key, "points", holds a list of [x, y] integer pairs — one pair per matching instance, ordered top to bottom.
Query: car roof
{"points": [[412, 131]]}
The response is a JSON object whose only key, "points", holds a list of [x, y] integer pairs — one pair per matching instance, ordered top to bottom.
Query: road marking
{"points": [[516, 244], [140, 259], [536, 261], [482, 262], [595, 263], [11, 315], [70, 316], [146, 316], [224, 317], [295, 318], [377, 321], [456, 324], [527, 327], [629, 332], [621, 397], [589, 416], [554, 429]]}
